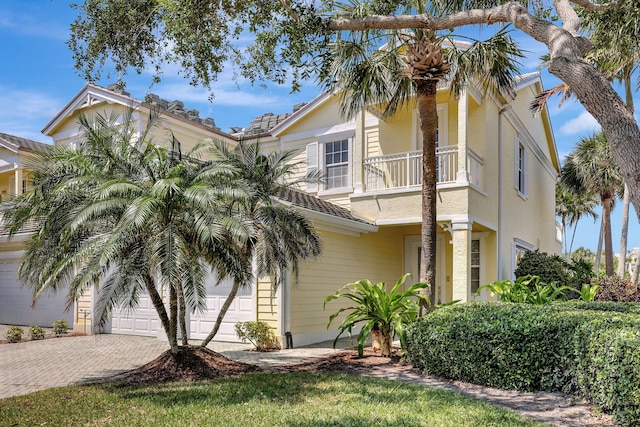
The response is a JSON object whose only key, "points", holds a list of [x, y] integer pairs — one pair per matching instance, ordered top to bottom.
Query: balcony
{"points": [[404, 170]]}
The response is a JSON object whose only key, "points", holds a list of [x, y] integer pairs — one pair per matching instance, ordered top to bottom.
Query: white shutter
{"points": [[516, 164], [312, 165], [526, 173]]}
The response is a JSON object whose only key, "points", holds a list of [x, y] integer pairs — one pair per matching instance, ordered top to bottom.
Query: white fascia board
{"points": [[86, 94], [302, 112], [9, 146], [336, 224]]}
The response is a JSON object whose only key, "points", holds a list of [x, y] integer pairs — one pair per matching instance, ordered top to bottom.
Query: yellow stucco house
{"points": [[497, 167]]}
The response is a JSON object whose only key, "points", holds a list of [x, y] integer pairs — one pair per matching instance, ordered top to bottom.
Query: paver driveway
{"points": [[36, 365]]}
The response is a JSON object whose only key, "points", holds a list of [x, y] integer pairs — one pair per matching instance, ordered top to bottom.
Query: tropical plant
{"points": [[405, 72], [591, 168], [131, 216], [280, 237], [617, 289], [527, 290], [589, 292], [383, 312], [60, 327], [36, 332], [258, 333], [14, 334]]}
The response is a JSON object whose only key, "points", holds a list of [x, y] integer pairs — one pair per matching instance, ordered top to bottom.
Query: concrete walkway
{"points": [[37, 365]]}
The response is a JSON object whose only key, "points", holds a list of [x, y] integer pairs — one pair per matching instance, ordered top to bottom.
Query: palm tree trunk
{"points": [[427, 108], [573, 236], [608, 243], [599, 249], [567, 255], [622, 260], [636, 270], [158, 304], [223, 311], [173, 315], [182, 316]]}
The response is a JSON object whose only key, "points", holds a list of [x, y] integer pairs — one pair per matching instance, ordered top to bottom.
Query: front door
{"points": [[412, 253]]}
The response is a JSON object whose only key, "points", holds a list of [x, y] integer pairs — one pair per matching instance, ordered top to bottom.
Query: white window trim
{"points": [[443, 123], [321, 141], [522, 192], [482, 237], [521, 244]]}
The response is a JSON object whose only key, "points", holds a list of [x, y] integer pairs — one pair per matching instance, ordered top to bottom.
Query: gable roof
{"points": [[92, 94], [16, 143]]}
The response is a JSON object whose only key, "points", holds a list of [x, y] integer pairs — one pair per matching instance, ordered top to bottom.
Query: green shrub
{"points": [[553, 268], [616, 289], [528, 290], [60, 327], [36, 332], [257, 333], [14, 334], [589, 348]]}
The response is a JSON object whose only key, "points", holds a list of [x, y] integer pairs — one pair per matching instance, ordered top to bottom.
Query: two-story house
{"points": [[497, 167], [16, 300]]}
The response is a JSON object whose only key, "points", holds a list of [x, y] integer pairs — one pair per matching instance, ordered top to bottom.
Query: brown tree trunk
{"points": [[427, 108], [608, 242], [598, 259], [622, 260], [158, 304], [223, 311], [173, 316], [182, 316]]}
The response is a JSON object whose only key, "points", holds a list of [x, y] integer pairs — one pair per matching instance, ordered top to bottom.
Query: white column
{"points": [[463, 116], [358, 154], [461, 278]]}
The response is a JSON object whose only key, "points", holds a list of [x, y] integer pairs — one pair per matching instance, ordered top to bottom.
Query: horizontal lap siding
{"points": [[345, 259], [267, 303]]}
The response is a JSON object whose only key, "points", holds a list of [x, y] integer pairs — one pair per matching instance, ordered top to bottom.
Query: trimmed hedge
{"points": [[588, 348]]}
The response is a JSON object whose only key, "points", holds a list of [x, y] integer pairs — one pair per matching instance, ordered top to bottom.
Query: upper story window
{"points": [[441, 132], [336, 155], [333, 158], [521, 169]]}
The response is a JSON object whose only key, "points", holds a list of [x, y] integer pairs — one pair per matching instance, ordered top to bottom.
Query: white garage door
{"points": [[15, 301], [241, 310], [143, 321]]}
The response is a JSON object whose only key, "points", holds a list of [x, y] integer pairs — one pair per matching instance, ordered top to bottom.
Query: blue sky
{"points": [[37, 79]]}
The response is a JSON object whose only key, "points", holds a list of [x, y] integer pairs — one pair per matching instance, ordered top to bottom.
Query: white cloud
{"points": [[25, 103], [581, 125]]}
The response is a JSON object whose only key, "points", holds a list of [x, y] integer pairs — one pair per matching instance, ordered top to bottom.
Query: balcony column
{"points": [[463, 119], [358, 154], [17, 182], [461, 277]]}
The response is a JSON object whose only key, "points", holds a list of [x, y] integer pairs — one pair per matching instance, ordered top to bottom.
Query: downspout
{"points": [[501, 111]]}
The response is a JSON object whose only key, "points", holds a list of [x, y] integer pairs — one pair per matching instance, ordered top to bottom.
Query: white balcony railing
{"points": [[404, 170]]}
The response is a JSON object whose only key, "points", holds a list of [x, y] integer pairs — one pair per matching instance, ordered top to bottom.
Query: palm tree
{"points": [[405, 72], [591, 168], [571, 207], [131, 217], [280, 237]]}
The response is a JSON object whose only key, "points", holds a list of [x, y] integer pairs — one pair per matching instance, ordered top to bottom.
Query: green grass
{"points": [[295, 399]]}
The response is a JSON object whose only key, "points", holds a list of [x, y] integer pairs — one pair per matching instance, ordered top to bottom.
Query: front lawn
{"points": [[290, 399]]}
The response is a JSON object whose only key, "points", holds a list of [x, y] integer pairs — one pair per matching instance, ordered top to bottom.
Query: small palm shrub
{"points": [[616, 289], [528, 290], [382, 313], [60, 327], [36, 332], [257, 333], [14, 334]]}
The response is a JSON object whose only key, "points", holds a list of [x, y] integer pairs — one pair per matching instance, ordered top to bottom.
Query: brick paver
{"points": [[37, 365]]}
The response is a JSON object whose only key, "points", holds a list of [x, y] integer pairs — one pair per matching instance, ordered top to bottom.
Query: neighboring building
{"points": [[497, 167], [16, 300]]}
